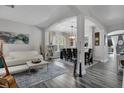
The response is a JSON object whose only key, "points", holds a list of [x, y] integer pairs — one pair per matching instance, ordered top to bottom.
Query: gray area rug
{"points": [[26, 79]]}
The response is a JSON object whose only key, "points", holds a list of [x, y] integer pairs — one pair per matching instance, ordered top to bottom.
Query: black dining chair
{"points": [[64, 53], [74, 53], [61, 54], [69, 54], [89, 57]]}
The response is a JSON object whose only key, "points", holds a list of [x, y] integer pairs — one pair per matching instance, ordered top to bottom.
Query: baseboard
{"points": [[96, 60], [104, 60]]}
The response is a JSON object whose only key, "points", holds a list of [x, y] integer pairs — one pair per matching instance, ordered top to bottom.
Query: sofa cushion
{"points": [[23, 53], [21, 57], [21, 60], [15, 62], [14, 69]]}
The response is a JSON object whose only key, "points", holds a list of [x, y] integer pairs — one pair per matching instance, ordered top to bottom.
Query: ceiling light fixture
{"points": [[72, 33]]}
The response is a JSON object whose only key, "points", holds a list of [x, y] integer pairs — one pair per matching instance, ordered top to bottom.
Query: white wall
{"points": [[88, 33], [34, 36], [101, 51]]}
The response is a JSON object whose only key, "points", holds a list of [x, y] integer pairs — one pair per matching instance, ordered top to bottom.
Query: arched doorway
{"points": [[67, 29]]}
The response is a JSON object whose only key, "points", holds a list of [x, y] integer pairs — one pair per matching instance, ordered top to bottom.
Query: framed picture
{"points": [[14, 38], [97, 38]]}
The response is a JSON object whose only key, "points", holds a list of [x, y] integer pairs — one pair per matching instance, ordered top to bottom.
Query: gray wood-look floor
{"points": [[101, 75]]}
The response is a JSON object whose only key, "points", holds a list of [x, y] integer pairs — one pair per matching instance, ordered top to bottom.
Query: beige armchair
{"points": [[4, 83]]}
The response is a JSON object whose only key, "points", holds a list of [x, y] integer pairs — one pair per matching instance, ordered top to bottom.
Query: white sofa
{"points": [[16, 61]]}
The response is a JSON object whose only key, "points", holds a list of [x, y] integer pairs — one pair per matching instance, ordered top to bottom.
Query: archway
{"points": [[100, 52]]}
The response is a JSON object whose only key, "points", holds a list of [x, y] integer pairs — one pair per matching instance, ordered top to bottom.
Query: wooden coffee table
{"points": [[37, 65]]}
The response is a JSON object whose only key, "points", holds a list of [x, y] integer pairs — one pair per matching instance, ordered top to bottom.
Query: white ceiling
{"points": [[28, 14], [32, 14], [111, 16], [66, 25]]}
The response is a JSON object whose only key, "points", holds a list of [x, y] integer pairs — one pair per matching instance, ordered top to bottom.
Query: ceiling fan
{"points": [[11, 6]]}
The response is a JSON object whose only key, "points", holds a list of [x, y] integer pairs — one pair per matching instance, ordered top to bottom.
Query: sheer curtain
{"points": [[114, 41]]}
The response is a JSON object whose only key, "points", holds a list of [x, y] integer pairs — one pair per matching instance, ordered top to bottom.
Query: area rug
{"points": [[26, 79]]}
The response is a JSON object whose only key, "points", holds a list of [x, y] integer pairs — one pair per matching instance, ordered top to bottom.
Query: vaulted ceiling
{"points": [[31, 15], [39, 15], [111, 16], [69, 25]]}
